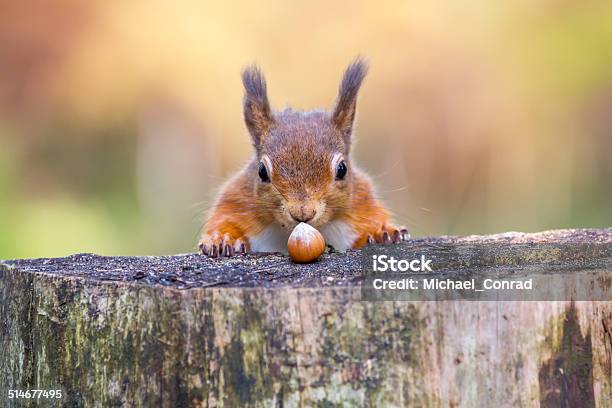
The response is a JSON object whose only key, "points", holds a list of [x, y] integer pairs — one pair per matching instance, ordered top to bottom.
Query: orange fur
{"points": [[294, 175], [366, 215]]}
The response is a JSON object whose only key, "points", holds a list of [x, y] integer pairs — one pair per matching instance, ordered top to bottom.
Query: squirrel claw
{"points": [[387, 234], [386, 238], [215, 245], [239, 247], [210, 250]]}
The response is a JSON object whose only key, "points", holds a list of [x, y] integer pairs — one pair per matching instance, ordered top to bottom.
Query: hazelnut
{"points": [[305, 244]]}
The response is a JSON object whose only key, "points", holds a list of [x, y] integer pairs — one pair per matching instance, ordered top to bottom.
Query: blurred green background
{"points": [[119, 120]]}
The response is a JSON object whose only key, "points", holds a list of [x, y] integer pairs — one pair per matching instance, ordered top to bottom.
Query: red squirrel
{"points": [[301, 171]]}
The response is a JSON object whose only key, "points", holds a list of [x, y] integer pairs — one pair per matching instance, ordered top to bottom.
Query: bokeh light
{"points": [[120, 120]]}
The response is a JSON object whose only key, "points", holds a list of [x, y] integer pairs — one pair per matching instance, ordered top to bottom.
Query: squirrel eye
{"points": [[341, 170], [263, 173]]}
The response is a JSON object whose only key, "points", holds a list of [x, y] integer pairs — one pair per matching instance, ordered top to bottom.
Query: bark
{"points": [[260, 331]]}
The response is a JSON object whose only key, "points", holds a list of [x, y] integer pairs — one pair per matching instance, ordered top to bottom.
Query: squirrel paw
{"points": [[388, 234], [215, 245]]}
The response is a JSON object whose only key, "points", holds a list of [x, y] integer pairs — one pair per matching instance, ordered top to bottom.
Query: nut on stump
{"points": [[305, 244]]}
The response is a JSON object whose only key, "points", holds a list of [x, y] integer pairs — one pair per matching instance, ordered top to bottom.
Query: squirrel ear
{"points": [[346, 104], [257, 113]]}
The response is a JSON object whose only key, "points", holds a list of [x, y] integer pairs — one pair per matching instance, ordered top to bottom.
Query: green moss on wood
{"points": [[113, 344]]}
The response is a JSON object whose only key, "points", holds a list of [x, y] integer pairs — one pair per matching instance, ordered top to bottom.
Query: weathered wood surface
{"points": [[260, 331]]}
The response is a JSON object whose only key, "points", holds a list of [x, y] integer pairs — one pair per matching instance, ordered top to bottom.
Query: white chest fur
{"points": [[339, 234], [273, 238]]}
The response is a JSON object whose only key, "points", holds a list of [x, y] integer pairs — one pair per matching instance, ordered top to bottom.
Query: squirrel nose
{"points": [[303, 214], [303, 218]]}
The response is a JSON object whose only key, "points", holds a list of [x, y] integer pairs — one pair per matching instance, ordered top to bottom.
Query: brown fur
{"points": [[300, 147]]}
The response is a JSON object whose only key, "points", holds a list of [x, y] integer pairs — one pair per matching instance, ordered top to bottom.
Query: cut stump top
{"points": [[557, 250]]}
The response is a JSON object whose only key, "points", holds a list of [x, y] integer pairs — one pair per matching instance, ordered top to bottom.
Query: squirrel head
{"points": [[302, 171]]}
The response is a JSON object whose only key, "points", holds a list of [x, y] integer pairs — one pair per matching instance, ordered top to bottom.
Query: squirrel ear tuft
{"points": [[346, 104], [257, 112]]}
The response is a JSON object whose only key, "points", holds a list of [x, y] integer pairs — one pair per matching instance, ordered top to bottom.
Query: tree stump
{"points": [[258, 330]]}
